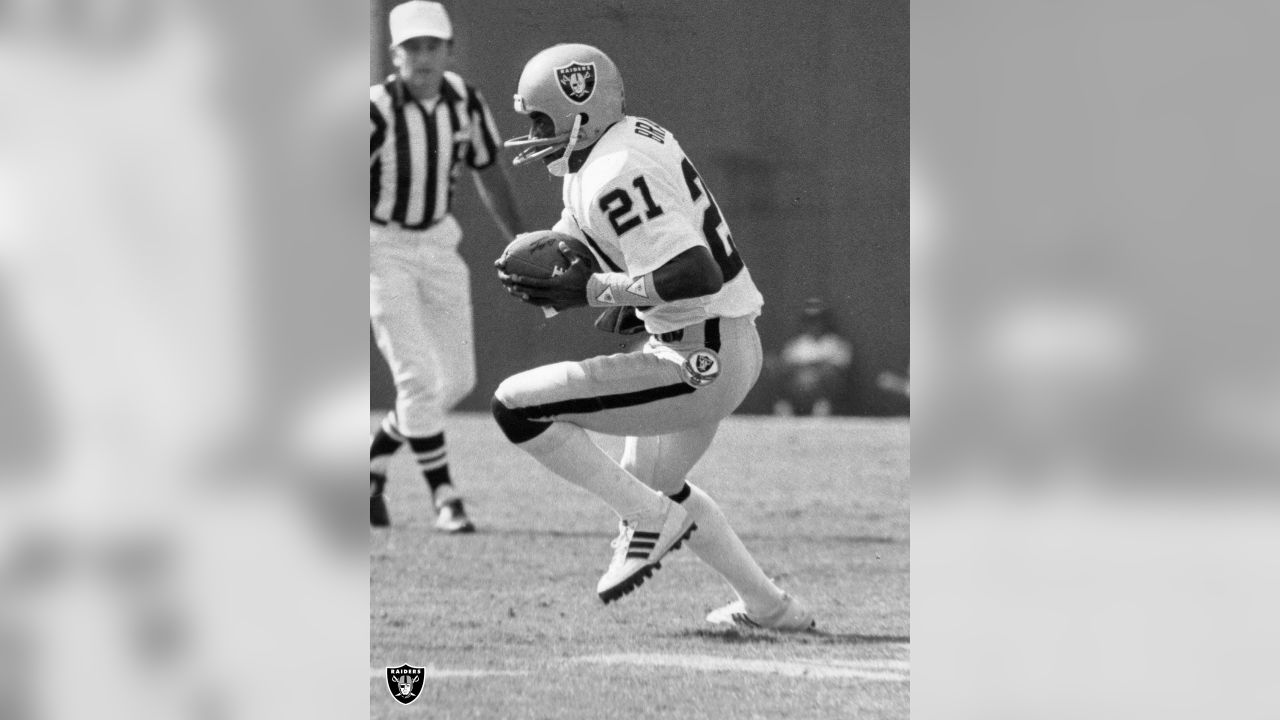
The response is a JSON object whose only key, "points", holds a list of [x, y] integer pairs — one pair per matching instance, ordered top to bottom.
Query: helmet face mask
{"points": [[572, 94], [542, 141]]}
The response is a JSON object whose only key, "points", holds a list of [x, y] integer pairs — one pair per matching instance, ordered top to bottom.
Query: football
{"points": [[537, 254]]}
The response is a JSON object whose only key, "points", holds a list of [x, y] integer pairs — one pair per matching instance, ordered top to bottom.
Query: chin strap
{"points": [[560, 166]]}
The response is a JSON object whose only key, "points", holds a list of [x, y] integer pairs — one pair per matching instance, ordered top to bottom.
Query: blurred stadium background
{"points": [[798, 120]]}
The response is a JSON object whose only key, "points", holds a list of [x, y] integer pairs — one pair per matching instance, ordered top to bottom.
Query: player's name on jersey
{"points": [[649, 130]]}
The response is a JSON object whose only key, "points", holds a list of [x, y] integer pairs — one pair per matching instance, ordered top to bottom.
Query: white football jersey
{"points": [[639, 202]]}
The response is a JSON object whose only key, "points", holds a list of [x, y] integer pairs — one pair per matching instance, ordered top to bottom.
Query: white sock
{"points": [[566, 450], [716, 544]]}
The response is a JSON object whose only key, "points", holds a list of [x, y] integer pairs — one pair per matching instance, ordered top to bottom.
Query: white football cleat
{"points": [[639, 548], [791, 616]]}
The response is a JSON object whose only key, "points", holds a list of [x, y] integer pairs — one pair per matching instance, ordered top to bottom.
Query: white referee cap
{"points": [[419, 18]]}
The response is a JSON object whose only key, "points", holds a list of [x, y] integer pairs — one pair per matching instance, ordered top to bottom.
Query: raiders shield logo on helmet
{"points": [[577, 81], [405, 683]]}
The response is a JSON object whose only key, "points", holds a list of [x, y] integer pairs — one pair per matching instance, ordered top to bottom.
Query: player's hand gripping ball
{"points": [[547, 268]]}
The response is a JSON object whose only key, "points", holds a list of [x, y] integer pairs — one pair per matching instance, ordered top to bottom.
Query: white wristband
{"points": [[614, 289]]}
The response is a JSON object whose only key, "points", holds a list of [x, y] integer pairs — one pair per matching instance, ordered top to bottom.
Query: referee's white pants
{"points": [[420, 310], [645, 396]]}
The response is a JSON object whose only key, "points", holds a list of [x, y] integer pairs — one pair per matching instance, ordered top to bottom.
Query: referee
{"points": [[426, 122]]}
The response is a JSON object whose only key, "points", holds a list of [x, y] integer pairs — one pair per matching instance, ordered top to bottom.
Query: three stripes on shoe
{"points": [[642, 544]]}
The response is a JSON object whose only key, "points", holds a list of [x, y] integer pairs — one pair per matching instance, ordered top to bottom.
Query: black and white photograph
{"points": [[724, 359], [640, 368]]}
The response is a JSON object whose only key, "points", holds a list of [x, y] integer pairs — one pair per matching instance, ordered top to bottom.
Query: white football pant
{"points": [[420, 310], [647, 394]]}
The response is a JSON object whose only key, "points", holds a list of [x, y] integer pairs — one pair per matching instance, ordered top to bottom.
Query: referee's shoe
{"points": [[451, 517]]}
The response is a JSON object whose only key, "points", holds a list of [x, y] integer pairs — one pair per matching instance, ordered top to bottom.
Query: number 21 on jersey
{"points": [[623, 215]]}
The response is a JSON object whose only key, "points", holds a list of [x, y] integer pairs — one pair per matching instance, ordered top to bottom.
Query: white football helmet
{"points": [[572, 93]]}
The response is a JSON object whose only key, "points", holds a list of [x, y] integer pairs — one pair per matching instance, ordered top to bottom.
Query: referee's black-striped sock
{"points": [[385, 442], [433, 460]]}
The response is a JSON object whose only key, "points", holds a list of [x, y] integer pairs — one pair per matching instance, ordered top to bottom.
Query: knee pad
{"points": [[514, 424]]}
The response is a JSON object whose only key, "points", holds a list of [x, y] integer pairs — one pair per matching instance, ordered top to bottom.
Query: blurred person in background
{"points": [[425, 122], [812, 369], [890, 381]]}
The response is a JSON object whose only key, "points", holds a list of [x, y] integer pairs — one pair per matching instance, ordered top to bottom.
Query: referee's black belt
{"points": [[402, 226], [710, 331]]}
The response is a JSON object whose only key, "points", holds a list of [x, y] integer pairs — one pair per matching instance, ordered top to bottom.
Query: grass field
{"points": [[508, 625]]}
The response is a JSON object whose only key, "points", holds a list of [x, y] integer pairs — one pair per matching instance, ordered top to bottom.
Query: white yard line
{"points": [[870, 669]]}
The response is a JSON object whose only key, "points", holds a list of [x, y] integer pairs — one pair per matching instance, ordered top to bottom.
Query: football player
{"points": [[669, 263]]}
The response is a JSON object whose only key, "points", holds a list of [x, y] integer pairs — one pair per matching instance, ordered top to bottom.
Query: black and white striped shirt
{"points": [[415, 148]]}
